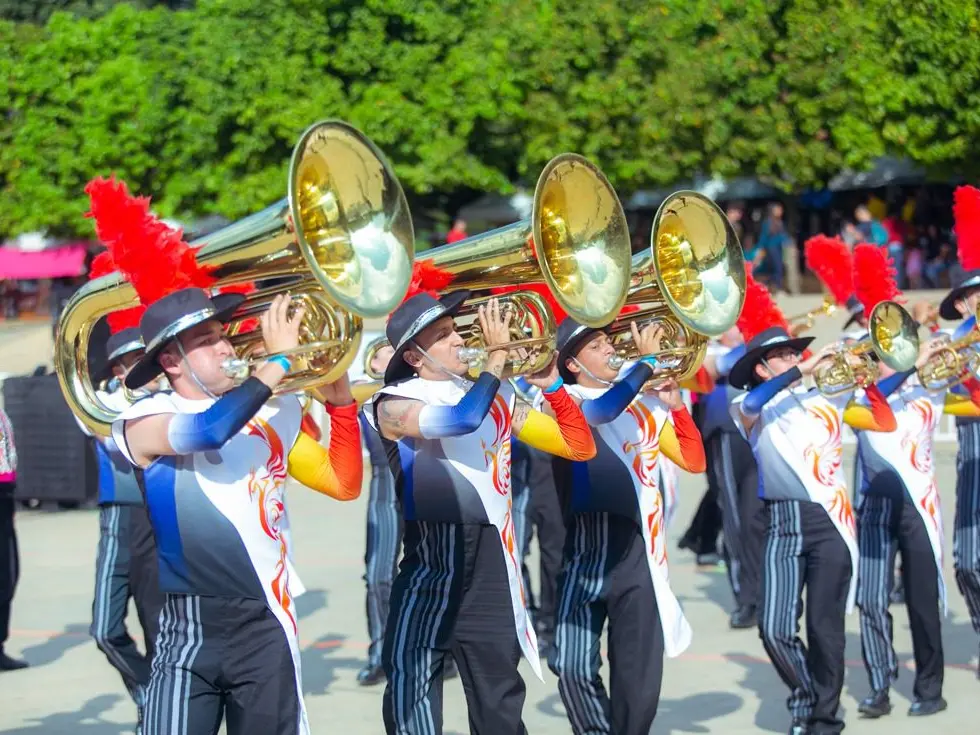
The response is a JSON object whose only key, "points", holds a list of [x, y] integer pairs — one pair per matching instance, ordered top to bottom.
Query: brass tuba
{"points": [[576, 242], [341, 243], [691, 280], [800, 323], [893, 336], [957, 361], [364, 389]]}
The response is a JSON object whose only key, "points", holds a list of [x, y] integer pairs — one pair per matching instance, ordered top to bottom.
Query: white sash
{"points": [[634, 436], [810, 442], [483, 459]]}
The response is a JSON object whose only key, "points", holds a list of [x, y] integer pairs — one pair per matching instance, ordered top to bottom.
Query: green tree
{"points": [[39, 11]]}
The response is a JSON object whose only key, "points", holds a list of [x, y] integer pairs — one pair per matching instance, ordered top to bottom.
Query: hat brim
{"points": [[947, 307], [570, 349], [147, 368], [398, 369], [741, 373]]}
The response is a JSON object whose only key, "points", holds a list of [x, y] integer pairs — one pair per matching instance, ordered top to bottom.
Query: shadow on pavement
{"points": [[309, 602], [42, 654], [321, 661], [86, 721]]}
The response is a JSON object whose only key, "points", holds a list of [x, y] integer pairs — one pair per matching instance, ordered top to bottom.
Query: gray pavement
{"points": [[722, 684]]}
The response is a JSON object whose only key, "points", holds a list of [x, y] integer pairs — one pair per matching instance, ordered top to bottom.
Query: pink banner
{"points": [[60, 262]]}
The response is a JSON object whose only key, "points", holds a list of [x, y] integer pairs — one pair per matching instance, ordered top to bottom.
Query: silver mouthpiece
{"points": [[471, 355], [616, 362], [236, 368]]}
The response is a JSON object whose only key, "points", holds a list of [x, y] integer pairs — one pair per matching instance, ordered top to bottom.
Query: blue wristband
{"points": [[650, 360], [282, 361], [554, 386]]}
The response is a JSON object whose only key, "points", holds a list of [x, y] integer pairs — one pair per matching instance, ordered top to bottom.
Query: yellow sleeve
{"points": [[959, 405], [543, 432], [312, 465]]}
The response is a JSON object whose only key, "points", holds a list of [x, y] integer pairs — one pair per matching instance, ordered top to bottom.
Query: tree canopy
{"points": [[198, 104]]}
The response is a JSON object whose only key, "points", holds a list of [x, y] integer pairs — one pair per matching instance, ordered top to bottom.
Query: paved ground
{"points": [[723, 684]]}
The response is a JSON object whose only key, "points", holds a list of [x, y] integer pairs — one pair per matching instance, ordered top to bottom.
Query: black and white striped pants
{"points": [[743, 514], [887, 523], [966, 525], [384, 537], [804, 548], [126, 567], [607, 576], [452, 597], [221, 658]]}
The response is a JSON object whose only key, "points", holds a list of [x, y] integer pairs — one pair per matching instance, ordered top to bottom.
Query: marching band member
{"points": [[961, 304], [795, 434], [214, 458], [732, 467], [902, 511], [615, 550], [9, 556], [126, 564], [459, 590]]}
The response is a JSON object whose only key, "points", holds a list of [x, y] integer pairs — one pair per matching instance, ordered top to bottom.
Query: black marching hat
{"points": [[969, 281], [175, 313], [409, 319], [571, 336], [757, 348]]}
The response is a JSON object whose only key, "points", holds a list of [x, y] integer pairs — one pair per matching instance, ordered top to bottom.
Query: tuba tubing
{"points": [[341, 241]]}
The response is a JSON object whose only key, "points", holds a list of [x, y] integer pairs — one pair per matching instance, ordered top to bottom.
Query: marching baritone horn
{"points": [[341, 242], [576, 242], [691, 280], [800, 323], [892, 336], [957, 361]]}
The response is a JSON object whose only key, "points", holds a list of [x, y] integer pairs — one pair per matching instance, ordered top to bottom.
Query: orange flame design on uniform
{"points": [[918, 442], [497, 453], [646, 455], [825, 462], [266, 485]]}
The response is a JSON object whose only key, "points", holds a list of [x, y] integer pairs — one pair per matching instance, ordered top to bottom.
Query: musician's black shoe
{"points": [[687, 544], [744, 617], [11, 664], [449, 670], [371, 675], [875, 705], [926, 707], [799, 727]]}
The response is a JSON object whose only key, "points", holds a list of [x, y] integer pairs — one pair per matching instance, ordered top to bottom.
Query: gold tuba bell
{"points": [[576, 242], [341, 243], [691, 280], [893, 336]]}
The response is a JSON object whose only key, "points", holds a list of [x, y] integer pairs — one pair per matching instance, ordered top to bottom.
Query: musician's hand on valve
{"points": [[495, 324], [280, 331], [648, 339], [928, 351], [808, 366], [546, 377], [337, 393], [670, 393]]}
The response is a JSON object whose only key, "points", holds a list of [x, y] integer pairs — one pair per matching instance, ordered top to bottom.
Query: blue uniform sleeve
{"points": [[965, 327], [726, 362], [893, 382], [759, 396], [614, 401], [438, 422], [211, 429]]}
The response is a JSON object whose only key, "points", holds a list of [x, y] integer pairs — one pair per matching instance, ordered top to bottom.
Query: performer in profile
{"points": [[960, 304], [795, 434], [214, 457], [902, 512], [615, 565], [459, 590]]}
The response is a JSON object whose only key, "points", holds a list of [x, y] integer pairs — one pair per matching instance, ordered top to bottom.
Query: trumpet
{"points": [[341, 242], [576, 242], [691, 280], [804, 322], [893, 338], [957, 361]]}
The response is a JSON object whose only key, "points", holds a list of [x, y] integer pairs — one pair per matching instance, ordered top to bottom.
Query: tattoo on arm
{"points": [[521, 411], [393, 416]]}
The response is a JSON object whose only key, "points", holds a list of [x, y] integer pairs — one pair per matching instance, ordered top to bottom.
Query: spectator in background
{"points": [[735, 211], [872, 231], [457, 233], [767, 254], [941, 262], [914, 266], [9, 559]]}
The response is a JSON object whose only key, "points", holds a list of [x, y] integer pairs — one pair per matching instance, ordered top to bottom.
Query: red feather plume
{"points": [[966, 216], [151, 255], [830, 259], [103, 265], [874, 276], [427, 278], [242, 288], [541, 290], [759, 312]]}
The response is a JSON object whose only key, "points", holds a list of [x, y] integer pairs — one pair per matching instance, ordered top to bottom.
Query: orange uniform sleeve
{"points": [[960, 405], [876, 416], [310, 428], [567, 435], [681, 442], [339, 470]]}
